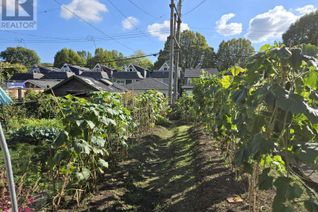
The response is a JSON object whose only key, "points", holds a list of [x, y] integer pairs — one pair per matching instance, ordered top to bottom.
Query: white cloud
{"points": [[306, 9], [88, 10], [129, 23], [273, 23], [228, 29], [162, 30]]}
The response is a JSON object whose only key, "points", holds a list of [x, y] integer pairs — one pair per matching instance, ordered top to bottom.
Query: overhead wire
{"points": [[194, 8], [94, 27]]}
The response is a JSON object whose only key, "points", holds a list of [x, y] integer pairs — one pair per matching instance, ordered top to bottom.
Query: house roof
{"points": [[77, 68], [42, 69], [196, 73], [95, 74], [159, 74], [59, 75], [127, 75], [26, 76], [43, 83], [148, 84], [97, 85]]}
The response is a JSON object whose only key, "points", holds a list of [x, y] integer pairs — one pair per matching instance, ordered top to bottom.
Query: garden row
{"points": [[266, 118], [62, 146]]}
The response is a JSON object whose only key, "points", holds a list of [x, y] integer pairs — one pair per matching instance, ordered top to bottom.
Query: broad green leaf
{"points": [[236, 70], [312, 79], [226, 81], [82, 147], [103, 163], [83, 175], [265, 181]]}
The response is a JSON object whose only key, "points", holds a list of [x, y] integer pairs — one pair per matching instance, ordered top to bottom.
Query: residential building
{"points": [[148, 84]]}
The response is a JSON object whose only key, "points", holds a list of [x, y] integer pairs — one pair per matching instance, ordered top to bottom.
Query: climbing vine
{"points": [[267, 118]]}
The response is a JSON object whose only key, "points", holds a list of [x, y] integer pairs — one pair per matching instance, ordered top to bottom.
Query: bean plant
{"points": [[267, 117]]}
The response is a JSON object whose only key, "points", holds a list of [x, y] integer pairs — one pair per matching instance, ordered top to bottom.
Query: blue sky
{"points": [[104, 25]]}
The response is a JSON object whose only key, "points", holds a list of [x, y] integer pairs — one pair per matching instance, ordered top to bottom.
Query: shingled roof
{"points": [[196, 73], [95, 74], [159, 74], [58, 75], [127, 75], [26, 76], [44, 84], [148, 84]]}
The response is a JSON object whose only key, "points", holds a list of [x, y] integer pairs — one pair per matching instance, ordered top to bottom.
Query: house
{"points": [[164, 67], [98, 68], [136, 68], [42, 69], [74, 69], [190, 74], [58, 75], [97, 75], [163, 76], [22, 77], [125, 78], [41, 84], [148, 84], [79, 85]]}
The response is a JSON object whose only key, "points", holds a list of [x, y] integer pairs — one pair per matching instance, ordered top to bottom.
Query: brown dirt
{"points": [[179, 169]]}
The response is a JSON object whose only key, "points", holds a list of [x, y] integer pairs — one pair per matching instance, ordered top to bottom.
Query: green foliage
{"points": [[303, 31], [310, 50], [194, 51], [234, 52], [20, 55], [68, 56], [105, 57], [143, 62], [7, 70], [184, 109], [268, 115], [95, 129], [33, 135]]}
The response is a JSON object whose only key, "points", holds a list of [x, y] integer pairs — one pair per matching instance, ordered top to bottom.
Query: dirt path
{"points": [[177, 169]]}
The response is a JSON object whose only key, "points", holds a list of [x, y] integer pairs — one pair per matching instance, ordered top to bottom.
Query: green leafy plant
{"points": [[266, 116]]}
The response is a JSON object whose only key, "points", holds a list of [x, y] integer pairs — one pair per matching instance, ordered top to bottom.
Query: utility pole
{"points": [[175, 17], [171, 64], [176, 71]]}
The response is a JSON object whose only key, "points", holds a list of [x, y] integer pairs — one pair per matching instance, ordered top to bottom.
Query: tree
{"points": [[305, 30], [310, 50], [195, 51], [234, 52], [20, 55], [68, 56], [102, 56], [142, 61], [7, 70]]}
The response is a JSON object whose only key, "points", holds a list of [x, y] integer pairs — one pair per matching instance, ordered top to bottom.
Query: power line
{"points": [[196, 7], [144, 11], [93, 26], [132, 58]]}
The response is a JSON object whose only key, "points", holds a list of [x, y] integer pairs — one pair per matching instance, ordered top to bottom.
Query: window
{"points": [[165, 69], [128, 82]]}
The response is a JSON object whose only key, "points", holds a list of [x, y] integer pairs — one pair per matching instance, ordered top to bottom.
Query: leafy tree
{"points": [[305, 30], [310, 50], [194, 51], [234, 52], [85, 54], [24, 56], [68, 56], [109, 58], [143, 61], [7, 70]]}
